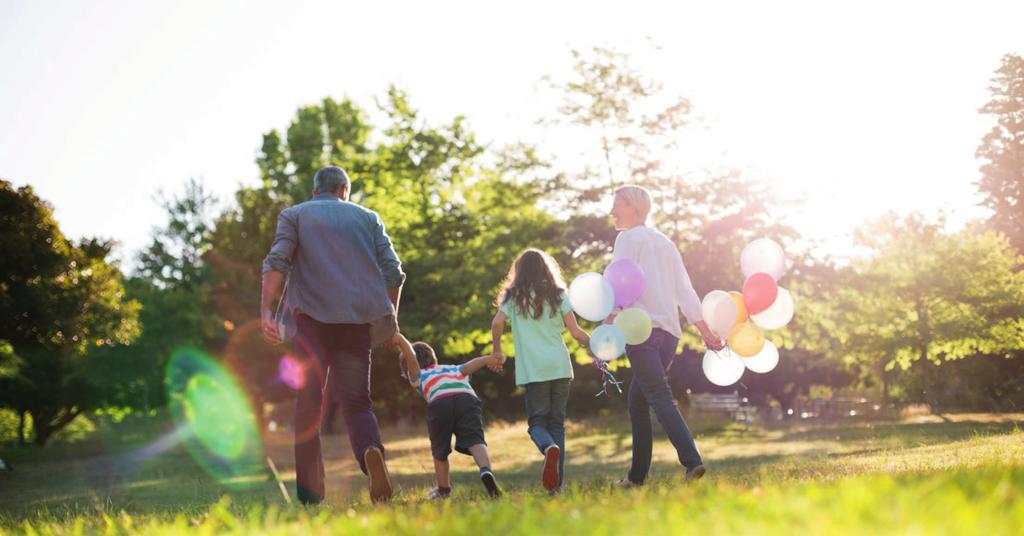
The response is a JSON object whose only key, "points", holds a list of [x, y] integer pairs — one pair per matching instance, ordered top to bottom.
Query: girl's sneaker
{"points": [[550, 475]]}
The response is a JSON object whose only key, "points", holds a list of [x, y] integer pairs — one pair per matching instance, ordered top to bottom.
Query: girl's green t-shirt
{"points": [[540, 352]]}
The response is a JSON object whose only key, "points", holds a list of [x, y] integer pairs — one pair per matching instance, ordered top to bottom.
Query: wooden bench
{"points": [[731, 404]]}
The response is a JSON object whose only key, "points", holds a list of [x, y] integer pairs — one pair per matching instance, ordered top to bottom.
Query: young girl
{"points": [[533, 296]]}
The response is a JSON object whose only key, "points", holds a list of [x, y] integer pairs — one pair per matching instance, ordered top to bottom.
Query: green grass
{"points": [[960, 475]]}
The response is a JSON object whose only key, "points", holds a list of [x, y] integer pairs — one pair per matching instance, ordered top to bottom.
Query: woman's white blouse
{"points": [[667, 288]]}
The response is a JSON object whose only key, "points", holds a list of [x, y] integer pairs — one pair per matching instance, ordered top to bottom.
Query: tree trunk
{"points": [[885, 388], [21, 427], [44, 428], [42, 433]]}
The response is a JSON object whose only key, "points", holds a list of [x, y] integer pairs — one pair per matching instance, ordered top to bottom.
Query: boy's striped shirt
{"points": [[440, 381]]}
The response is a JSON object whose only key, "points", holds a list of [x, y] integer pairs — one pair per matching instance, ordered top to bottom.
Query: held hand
{"points": [[268, 326], [395, 342], [497, 361]]}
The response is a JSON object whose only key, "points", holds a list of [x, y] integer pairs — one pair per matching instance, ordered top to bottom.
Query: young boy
{"points": [[452, 408]]}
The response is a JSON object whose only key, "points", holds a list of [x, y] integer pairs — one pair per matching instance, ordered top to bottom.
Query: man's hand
{"points": [[268, 326], [394, 342]]}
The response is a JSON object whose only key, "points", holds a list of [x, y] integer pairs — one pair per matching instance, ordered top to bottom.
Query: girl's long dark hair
{"points": [[533, 280]]}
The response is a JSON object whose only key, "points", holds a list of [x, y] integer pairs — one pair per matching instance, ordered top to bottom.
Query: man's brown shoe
{"points": [[695, 474], [380, 481]]}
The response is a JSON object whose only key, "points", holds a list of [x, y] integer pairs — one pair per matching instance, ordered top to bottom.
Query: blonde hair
{"points": [[638, 197]]}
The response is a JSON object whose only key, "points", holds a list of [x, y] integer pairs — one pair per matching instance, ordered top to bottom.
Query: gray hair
{"points": [[329, 180]]}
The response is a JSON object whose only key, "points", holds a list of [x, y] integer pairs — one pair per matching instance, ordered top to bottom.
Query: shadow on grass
{"points": [[909, 432]]}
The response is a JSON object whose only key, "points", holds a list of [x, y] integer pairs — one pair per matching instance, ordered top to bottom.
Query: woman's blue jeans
{"points": [[649, 389]]}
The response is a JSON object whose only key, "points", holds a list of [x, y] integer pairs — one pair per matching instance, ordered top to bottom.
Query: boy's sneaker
{"points": [[695, 473], [550, 476], [380, 481], [490, 483], [626, 483], [439, 494]]}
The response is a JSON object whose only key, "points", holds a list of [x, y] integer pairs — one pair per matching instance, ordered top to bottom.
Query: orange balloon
{"points": [[741, 310], [746, 339]]}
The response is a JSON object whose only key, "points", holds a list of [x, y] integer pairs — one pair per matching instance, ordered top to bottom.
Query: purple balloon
{"points": [[627, 279]]}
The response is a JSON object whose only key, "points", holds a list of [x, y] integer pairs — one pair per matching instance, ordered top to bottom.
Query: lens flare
{"points": [[291, 372], [223, 435]]}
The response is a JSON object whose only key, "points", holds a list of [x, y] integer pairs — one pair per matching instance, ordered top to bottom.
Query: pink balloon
{"points": [[627, 279], [759, 292]]}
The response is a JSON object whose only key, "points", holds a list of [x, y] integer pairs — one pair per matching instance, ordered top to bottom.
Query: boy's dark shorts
{"points": [[461, 415]]}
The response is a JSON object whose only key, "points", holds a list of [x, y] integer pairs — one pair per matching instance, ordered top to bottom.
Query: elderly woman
{"points": [[667, 291]]}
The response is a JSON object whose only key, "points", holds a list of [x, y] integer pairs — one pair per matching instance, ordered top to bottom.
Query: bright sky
{"points": [[864, 107]]}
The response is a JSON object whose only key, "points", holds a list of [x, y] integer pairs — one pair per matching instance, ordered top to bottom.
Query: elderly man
{"points": [[343, 279]]}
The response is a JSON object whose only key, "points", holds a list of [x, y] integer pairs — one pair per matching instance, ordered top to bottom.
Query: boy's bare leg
{"points": [[480, 455], [482, 459], [441, 469]]}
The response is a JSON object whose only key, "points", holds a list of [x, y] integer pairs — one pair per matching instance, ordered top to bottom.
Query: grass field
{"points": [[961, 474]]}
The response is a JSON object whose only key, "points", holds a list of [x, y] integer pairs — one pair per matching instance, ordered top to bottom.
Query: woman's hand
{"points": [[712, 341]]}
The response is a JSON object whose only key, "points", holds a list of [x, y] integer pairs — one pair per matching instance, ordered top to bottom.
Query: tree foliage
{"points": [[925, 296], [68, 304]]}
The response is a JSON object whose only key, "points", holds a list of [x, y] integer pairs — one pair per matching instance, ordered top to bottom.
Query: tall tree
{"points": [[635, 126], [1002, 150], [174, 258], [172, 283], [926, 297], [62, 303]]}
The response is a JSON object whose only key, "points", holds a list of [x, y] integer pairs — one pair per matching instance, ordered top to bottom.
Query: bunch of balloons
{"points": [[593, 296], [742, 318]]}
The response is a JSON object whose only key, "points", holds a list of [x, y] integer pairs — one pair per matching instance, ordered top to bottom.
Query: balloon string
{"points": [[606, 378]]}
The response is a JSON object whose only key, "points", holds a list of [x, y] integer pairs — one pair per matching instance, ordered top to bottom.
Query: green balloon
{"points": [[635, 323]]}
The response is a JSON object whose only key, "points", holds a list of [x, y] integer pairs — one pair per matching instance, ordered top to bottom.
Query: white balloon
{"points": [[763, 255], [592, 296], [719, 312], [778, 314], [607, 342], [765, 360], [723, 368]]}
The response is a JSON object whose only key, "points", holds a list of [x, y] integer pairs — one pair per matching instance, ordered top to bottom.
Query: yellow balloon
{"points": [[741, 310], [635, 323], [746, 339]]}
